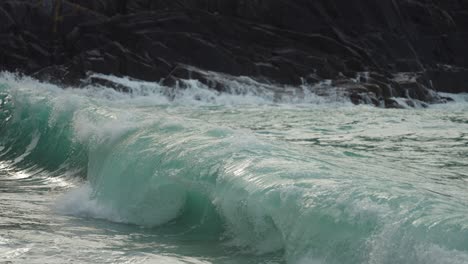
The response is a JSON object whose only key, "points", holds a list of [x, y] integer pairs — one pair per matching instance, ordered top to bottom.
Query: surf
{"points": [[188, 160]]}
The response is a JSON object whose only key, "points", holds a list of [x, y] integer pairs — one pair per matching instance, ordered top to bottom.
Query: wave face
{"points": [[321, 184]]}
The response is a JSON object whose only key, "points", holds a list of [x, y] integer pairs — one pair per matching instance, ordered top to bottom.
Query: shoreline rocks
{"points": [[375, 50]]}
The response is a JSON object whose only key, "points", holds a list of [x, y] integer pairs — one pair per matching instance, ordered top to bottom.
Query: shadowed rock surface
{"points": [[374, 50]]}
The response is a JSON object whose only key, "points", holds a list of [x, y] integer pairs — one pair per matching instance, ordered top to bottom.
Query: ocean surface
{"points": [[194, 176]]}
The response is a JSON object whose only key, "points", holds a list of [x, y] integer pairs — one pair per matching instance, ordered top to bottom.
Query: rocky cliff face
{"points": [[374, 50]]}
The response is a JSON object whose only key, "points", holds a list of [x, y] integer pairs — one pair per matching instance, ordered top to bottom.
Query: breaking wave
{"points": [[145, 162]]}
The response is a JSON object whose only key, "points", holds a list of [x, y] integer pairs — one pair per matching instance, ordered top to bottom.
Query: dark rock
{"points": [[6, 21], [361, 45], [59, 74], [95, 80], [450, 80], [447, 99], [392, 103]]}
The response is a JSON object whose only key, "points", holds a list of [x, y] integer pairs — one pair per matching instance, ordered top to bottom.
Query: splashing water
{"points": [[195, 176]]}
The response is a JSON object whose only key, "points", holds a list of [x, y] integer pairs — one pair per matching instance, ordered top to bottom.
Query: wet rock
{"points": [[288, 42], [96, 80], [450, 80], [392, 103]]}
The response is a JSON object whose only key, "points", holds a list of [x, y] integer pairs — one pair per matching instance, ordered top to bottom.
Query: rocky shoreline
{"points": [[373, 50]]}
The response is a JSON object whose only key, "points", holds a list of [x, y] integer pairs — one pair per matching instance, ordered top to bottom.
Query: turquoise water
{"points": [[94, 176]]}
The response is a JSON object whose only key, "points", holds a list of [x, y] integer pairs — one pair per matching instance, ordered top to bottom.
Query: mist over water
{"points": [[194, 176]]}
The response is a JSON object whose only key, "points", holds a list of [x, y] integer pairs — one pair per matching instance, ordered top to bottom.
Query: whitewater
{"points": [[191, 175]]}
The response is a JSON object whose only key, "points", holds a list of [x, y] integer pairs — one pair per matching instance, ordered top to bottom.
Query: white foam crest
{"points": [[27, 84], [239, 91], [457, 98], [409, 103], [459, 104], [88, 126], [79, 202], [150, 207]]}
